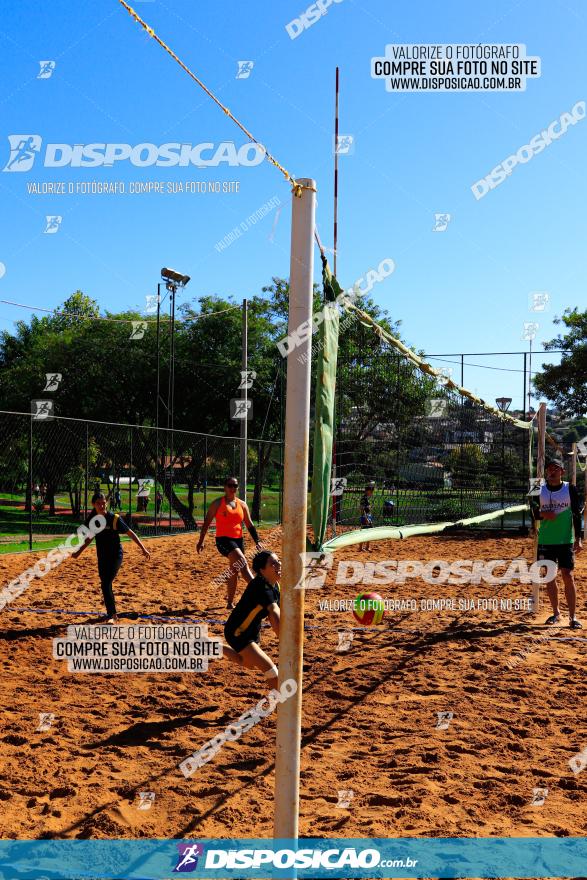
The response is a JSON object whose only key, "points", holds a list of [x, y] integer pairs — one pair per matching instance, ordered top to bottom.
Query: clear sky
{"points": [[414, 154]]}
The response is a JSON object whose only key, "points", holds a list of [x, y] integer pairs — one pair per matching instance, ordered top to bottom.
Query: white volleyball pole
{"points": [[295, 503]]}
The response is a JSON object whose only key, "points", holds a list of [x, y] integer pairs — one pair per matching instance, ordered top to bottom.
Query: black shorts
{"points": [[227, 545], [562, 554], [240, 642]]}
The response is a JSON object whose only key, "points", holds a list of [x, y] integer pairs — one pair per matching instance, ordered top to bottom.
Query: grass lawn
{"points": [[14, 520]]}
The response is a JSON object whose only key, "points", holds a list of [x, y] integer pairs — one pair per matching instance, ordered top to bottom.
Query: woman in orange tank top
{"points": [[230, 513]]}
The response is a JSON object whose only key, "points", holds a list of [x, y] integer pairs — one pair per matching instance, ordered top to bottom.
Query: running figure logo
{"points": [[47, 68], [245, 69], [344, 144], [23, 151], [441, 222], [53, 224], [151, 300], [539, 301], [138, 329], [530, 331], [247, 378], [53, 380], [436, 408], [241, 409], [42, 410], [337, 486], [535, 486], [316, 566], [345, 640], [46, 719], [444, 719], [578, 762], [539, 795], [345, 797], [146, 799], [188, 857]]}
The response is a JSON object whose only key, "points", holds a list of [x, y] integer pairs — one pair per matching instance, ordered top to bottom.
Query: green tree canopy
{"points": [[565, 384]]}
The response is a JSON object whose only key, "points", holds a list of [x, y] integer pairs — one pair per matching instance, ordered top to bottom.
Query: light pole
{"points": [[173, 281], [504, 404]]}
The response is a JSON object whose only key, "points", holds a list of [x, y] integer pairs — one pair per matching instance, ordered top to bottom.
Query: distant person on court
{"points": [[117, 501], [230, 513], [366, 513], [560, 517], [109, 550], [260, 600]]}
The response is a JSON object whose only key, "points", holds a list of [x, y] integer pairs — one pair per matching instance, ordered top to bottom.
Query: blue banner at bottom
{"points": [[305, 858]]}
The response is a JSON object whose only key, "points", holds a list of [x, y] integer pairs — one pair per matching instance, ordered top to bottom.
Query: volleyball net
{"points": [[430, 453]]}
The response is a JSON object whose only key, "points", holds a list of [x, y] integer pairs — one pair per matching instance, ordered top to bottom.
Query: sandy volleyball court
{"points": [[370, 719]]}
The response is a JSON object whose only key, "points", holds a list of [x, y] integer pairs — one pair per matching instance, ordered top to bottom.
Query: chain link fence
{"points": [[431, 454], [161, 481]]}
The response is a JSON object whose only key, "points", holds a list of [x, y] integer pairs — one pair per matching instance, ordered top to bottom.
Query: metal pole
{"points": [[335, 243], [158, 358], [530, 378], [244, 397], [171, 400], [461, 425], [526, 443], [502, 469], [87, 471], [573, 473], [205, 474], [540, 475], [130, 480], [31, 483], [156, 487], [335, 502], [295, 504], [157, 516]]}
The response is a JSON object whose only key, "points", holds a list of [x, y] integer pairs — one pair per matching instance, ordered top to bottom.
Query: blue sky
{"points": [[415, 154]]}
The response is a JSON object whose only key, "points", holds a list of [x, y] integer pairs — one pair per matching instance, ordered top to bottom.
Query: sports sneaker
{"points": [[554, 618]]}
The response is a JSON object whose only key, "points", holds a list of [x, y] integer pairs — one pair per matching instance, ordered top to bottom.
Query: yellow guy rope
{"points": [[296, 187], [426, 368]]}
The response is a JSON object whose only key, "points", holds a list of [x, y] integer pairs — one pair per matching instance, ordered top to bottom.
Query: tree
{"points": [[109, 375], [565, 384], [468, 466]]}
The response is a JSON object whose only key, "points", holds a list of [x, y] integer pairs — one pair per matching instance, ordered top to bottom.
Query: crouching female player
{"points": [[260, 600]]}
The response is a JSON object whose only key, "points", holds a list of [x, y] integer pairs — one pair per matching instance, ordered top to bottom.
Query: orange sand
{"points": [[369, 717]]}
